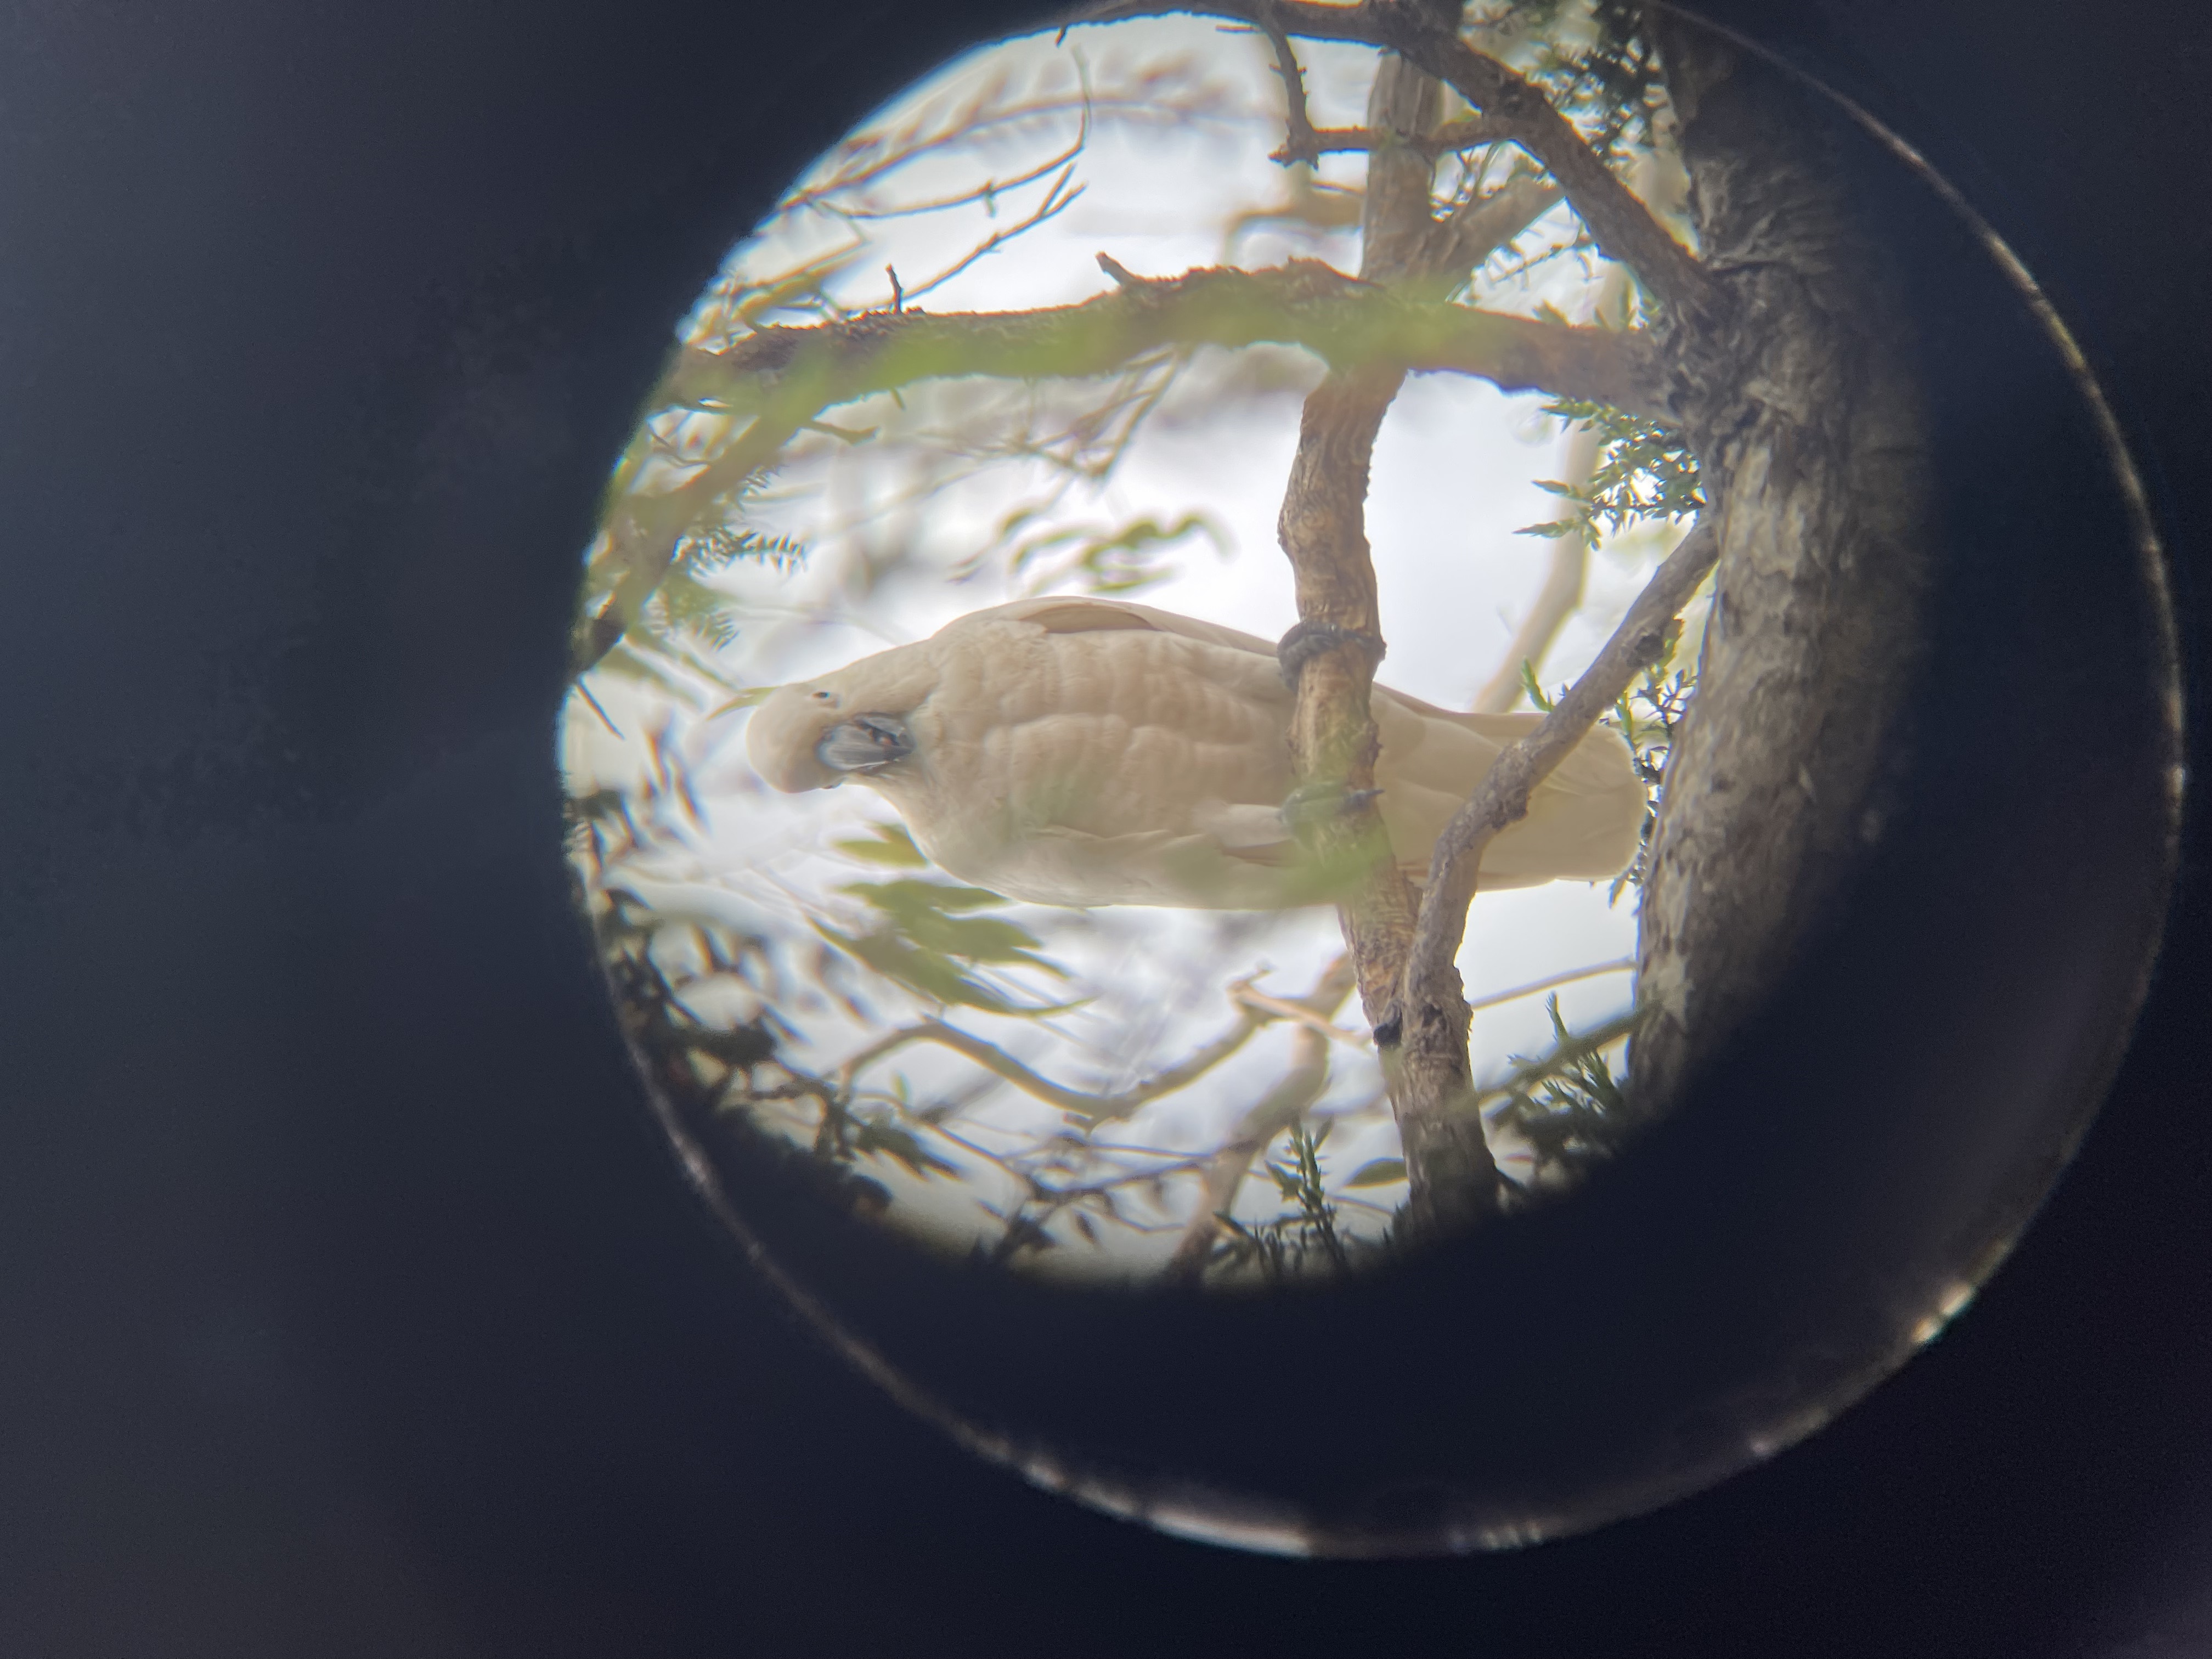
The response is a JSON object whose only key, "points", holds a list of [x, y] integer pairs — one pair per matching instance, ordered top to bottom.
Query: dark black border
{"points": [[313, 317]]}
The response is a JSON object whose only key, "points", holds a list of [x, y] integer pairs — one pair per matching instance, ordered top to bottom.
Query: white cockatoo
{"points": [[1082, 751]]}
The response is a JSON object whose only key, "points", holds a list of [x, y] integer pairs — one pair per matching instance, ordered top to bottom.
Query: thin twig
{"points": [[1471, 134], [1300, 142], [985, 193], [1057, 200], [1478, 228], [1559, 597], [604, 719], [1551, 981], [1299, 1013], [1283, 1105], [1092, 1107]]}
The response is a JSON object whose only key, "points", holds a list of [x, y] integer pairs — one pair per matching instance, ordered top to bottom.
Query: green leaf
{"points": [[717, 545], [685, 604], [1536, 694], [890, 844], [905, 898], [922, 911], [930, 972], [1378, 1172]]}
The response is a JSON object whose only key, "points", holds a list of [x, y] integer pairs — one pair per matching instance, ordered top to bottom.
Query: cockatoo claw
{"points": [[1307, 641], [867, 743], [1310, 802]]}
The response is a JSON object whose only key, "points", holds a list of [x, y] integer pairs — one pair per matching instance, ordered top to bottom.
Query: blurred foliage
{"points": [[1599, 70], [1645, 473], [1117, 559], [1646, 716], [887, 844], [921, 925], [1568, 1105], [1281, 1248]]}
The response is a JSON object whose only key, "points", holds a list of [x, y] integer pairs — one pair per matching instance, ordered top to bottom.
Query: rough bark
{"points": [[1803, 408]]}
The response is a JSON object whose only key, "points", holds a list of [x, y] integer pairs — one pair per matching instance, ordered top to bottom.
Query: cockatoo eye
{"points": [[825, 697], [867, 743]]}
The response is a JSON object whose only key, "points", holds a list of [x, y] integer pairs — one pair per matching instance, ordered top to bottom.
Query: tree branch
{"points": [[1453, 135], [1300, 142], [1622, 227], [1475, 229], [798, 372], [784, 377], [1556, 601], [1429, 998], [1288, 1008], [1254, 1009], [1296, 1012], [1291, 1098], [1092, 1107], [1451, 1176]]}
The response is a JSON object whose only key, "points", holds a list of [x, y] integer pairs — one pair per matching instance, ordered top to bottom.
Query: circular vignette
{"points": [[1889, 1227]]}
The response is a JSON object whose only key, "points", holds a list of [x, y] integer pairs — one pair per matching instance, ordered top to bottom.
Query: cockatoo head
{"points": [[808, 737]]}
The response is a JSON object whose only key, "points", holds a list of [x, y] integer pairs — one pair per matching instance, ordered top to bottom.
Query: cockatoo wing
{"points": [[1087, 751], [1583, 821]]}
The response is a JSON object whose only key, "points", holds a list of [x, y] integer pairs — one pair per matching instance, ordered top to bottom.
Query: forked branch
{"points": [[1623, 227], [1429, 990], [1254, 1009]]}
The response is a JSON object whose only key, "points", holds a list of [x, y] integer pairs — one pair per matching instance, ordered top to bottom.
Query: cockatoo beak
{"points": [[867, 743]]}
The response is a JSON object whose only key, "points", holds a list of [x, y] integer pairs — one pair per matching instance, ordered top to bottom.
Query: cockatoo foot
{"points": [[1308, 639], [1310, 803]]}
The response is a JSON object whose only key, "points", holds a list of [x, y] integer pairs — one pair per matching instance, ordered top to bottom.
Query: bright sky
{"points": [[1454, 478]]}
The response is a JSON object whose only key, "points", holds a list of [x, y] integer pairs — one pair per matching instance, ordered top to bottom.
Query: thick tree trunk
{"points": [[1800, 398]]}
